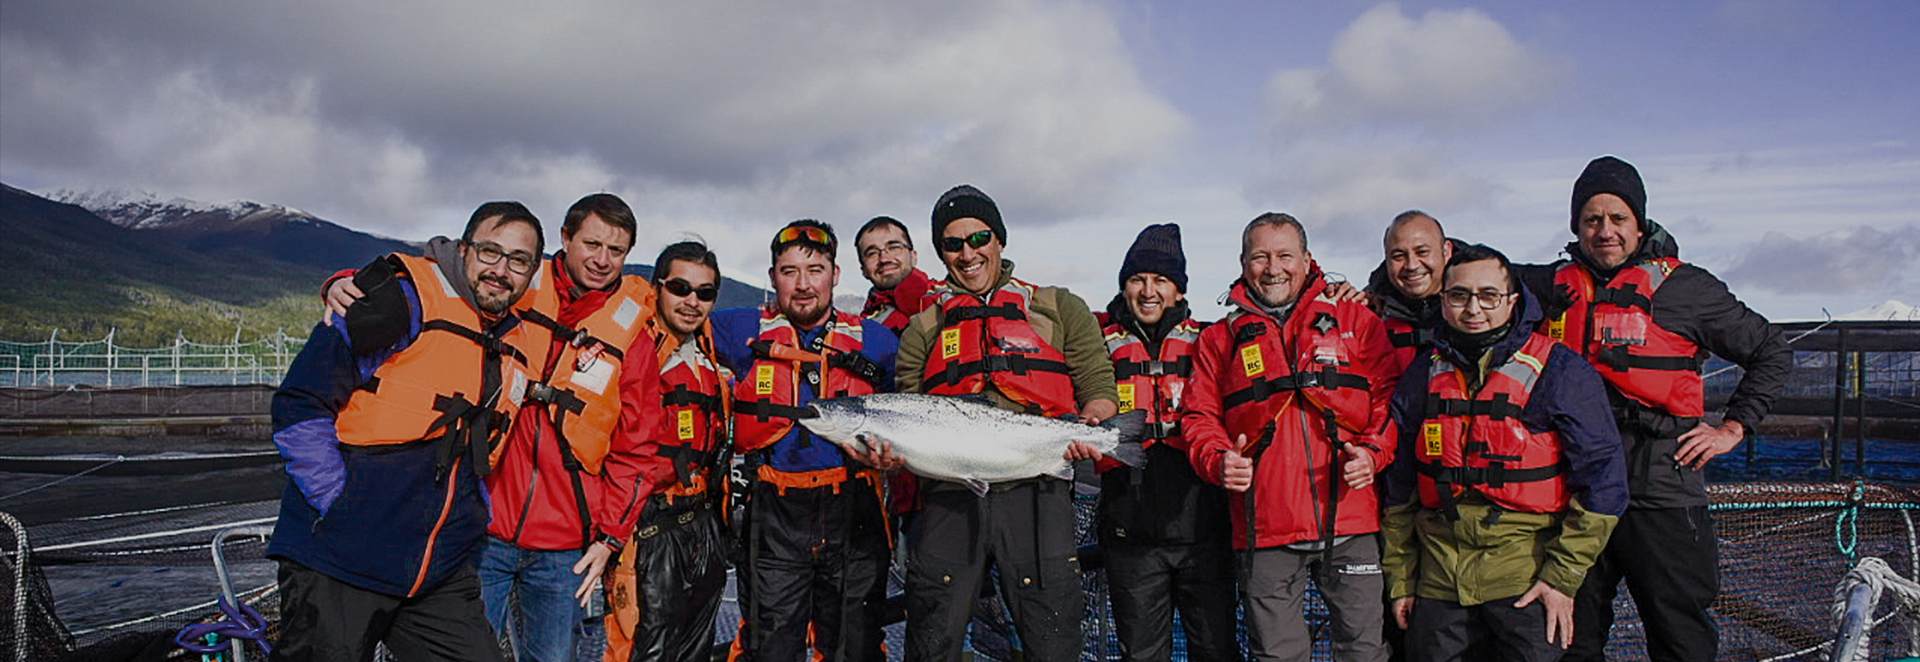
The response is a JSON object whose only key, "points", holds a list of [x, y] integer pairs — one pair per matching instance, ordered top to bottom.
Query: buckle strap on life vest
{"points": [[1623, 296], [958, 314], [570, 335], [1419, 337], [489, 342], [1619, 358], [1016, 364], [858, 365], [1180, 367], [1326, 377], [683, 396], [1497, 408], [763, 410], [468, 430], [1163, 431], [685, 459], [1495, 475]]}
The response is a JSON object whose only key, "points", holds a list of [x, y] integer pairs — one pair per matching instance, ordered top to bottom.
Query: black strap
{"points": [[1623, 296], [960, 314], [570, 335], [1419, 337], [489, 342], [1620, 358], [1013, 363], [858, 365], [1181, 367], [1327, 377], [682, 396], [1496, 408], [765, 410], [1163, 431], [685, 458], [1496, 474]]}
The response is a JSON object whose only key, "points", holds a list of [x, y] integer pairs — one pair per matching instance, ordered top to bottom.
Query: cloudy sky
{"points": [[1778, 138]]}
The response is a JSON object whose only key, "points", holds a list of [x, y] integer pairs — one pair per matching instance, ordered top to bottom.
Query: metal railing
{"points": [[106, 363]]}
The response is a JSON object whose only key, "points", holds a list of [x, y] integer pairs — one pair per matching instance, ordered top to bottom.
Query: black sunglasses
{"points": [[976, 240], [680, 287]]}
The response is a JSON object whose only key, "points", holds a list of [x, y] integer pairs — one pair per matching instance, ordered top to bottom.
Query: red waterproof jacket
{"points": [[1327, 360]]}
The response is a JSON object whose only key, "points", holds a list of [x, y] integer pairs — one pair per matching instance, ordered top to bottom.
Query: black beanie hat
{"points": [[1608, 174], [965, 201], [1157, 251]]}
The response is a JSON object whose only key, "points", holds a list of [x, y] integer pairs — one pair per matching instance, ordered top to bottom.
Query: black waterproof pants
{"points": [[1026, 529], [1670, 561], [817, 565], [680, 573], [1148, 582], [327, 620], [1442, 631]]}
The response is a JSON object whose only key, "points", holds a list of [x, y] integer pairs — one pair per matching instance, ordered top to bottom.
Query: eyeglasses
{"points": [[807, 233], [977, 240], [874, 252], [490, 253], [680, 287], [1488, 299]]}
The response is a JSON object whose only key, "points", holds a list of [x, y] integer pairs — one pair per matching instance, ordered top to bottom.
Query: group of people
{"points": [[1466, 456]]}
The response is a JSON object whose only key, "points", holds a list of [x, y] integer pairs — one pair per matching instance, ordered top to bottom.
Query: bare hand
{"points": [[1344, 291], [341, 293], [1705, 442], [1081, 451], [879, 454], [1236, 470], [1358, 471], [591, 564], [1402, 610], [1559, 612]]}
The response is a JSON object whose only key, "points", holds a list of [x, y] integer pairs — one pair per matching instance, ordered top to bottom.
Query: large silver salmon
{"points": [[968, 440]]}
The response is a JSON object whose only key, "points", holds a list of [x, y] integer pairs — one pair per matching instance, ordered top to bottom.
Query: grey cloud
{"points": [[1853, 261]]}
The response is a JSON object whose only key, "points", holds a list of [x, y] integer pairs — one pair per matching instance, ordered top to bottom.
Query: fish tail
{"points": [[1130, 429]]}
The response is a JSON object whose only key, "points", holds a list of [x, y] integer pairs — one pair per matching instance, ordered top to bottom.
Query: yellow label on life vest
{"points": [[1557, 327], [949, 344], [1251, 361], [763, 380], [1126, 397], [685, 425], [1434, 448]]}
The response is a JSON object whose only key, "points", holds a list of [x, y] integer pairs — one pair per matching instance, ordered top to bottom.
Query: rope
{"points": [[116, 460], [1846, 527], [21, 553], [1873, 579], [256, 591], [240, 621]]}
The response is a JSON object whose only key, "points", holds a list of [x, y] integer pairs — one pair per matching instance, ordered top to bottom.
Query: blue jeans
{"points": [[538, 587]]}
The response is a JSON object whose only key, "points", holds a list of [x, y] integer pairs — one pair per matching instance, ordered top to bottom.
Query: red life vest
{"points": [[1613, 328], [1409, 339], [994, 342], [1316, 363], [456, 382], [1153, 384], [581, 391], [693, 394], [766, 400], [1475, 440]]}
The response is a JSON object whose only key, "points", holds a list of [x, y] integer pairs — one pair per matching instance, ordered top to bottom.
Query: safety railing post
{"points": [[1839, 405]]}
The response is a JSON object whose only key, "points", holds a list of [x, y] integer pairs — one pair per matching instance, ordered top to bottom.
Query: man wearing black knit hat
{"points": [[1646, 323], [1025, 348], [1164, 531]]}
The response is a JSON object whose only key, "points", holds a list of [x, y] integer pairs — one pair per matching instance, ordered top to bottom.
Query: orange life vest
{"points": [[1613, 328], [994, 342], [1316, 364], [456, 383], [1153, 384], [582, 393], [766, 400], [1475, 440]]}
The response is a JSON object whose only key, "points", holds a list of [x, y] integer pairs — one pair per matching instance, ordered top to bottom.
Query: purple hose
{"points": [[242, 622]]}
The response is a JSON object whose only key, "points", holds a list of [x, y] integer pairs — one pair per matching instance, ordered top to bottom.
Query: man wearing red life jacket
{"points": [[888, 260], [1404, 289], [1646, 323], [1026, 348], [1287, 409], [388, 419], [1508, 479], [570, 481], [1163, 531], [817, 539], [667, 613]]}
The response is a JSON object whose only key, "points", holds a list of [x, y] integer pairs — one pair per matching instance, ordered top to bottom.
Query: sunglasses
{"points": [[793, 233], [977, 240], [680, 287]]}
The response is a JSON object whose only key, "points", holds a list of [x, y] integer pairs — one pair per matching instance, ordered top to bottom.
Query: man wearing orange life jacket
{"points": [[1646, 323], [1026, 348], [1287, 404], [388, 419], [1508, 479], [570, 481], [1163, 531], [816, 532], [667, 613]]}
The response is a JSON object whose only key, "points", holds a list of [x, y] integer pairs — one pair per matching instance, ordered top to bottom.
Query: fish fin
{"points": [[1131, 427], [1129, 453], [1063, 472], [977, 486]]}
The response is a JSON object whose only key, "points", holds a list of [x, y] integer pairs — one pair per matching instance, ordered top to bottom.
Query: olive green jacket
{"points": [[1060, 316]]}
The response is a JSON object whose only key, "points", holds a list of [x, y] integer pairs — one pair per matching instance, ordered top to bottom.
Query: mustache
{"points": [[496, 280]]}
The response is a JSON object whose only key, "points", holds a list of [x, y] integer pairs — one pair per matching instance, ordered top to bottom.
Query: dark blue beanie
{"points": [[1157, 251]]}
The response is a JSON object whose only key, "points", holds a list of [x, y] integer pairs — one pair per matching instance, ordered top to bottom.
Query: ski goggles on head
{"points": [[806, 233], [977, 240], [680, 287]]}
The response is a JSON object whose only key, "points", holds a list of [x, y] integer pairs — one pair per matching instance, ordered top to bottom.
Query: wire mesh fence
{"points": [[56, 362]]}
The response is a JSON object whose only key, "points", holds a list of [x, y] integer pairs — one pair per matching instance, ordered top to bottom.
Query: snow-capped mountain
{"points": [[255, 228], [1891, 310]]}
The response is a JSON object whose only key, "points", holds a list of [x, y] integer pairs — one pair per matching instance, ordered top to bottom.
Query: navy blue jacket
{"points": [[734, 328], [1570, 398], [361, 516]]}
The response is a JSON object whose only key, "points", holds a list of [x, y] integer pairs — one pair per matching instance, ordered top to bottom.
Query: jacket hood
{"points": [[446, 253], [1526, 318]]}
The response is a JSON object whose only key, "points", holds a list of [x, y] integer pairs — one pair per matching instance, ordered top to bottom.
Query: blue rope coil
{"points": [[241, 621]]}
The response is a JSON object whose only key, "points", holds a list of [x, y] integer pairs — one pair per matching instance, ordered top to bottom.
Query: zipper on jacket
{"points": [[533, 485], [446, 506]]}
